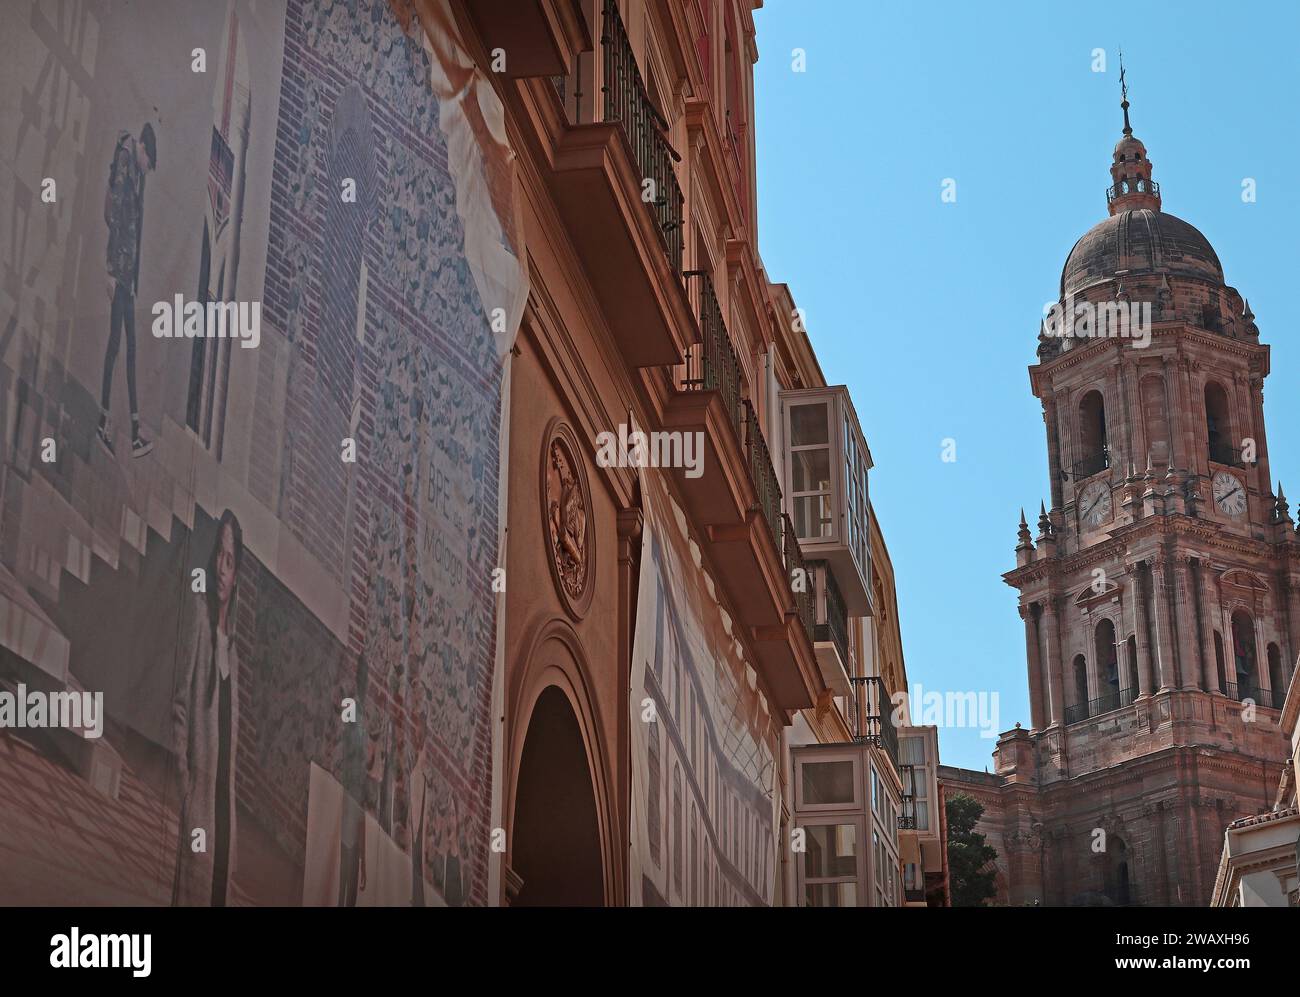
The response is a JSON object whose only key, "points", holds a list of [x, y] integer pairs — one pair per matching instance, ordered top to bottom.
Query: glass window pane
{"points": [[808, 424], [811, 470], [812, 516], [825, 526], [911, 751], [827, 782], [832, 850], [831, 895]]}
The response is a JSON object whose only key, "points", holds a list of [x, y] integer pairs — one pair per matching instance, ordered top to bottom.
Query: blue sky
{"points": [[929, 311]]}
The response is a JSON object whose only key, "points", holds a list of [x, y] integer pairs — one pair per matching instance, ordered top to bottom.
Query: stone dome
{"points": [[1139, 241]]}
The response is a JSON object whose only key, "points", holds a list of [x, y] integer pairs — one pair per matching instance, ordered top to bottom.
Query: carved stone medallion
{"points": [[566, 510]]}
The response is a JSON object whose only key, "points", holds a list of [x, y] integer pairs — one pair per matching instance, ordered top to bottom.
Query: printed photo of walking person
{"points": [[133, 159], [205, 720]]}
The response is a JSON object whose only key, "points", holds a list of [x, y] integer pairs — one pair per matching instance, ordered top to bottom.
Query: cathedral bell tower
{"points": [[1161, 595]]}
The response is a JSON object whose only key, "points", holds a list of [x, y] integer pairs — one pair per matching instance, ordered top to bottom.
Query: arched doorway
{"points": [[556, 849]]}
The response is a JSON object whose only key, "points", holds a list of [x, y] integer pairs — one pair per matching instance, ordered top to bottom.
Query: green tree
{"points": [[970, 860]]}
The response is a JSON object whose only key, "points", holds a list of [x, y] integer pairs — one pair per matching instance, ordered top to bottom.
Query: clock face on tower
{"points": [[1229, 493], [1094, 505]]}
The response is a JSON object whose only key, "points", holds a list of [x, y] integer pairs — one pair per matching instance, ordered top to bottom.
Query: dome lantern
{"points": [[1130, 171]]}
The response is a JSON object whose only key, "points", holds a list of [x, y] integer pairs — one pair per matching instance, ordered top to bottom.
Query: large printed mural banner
{"points": [[259, 265], [705, 791]]}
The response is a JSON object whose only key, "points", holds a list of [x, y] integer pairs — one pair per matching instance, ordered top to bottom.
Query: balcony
{"points": [[538, 37], [615, 183], [1135, 186], [707, 401], [1225, 453], [1090, 465], [826, 467], [737, 502], [830, 629], [786, 652], [1269, 698], [1117, 699], [871, 716], [907, 812]]}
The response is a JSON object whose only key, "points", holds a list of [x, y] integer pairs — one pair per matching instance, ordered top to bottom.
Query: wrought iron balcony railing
{"points": [[628, 101], [1135, 186], [711, 364], [1225, 453], [1091, 464], [761, 472], [795, 567], [835, 625], [1270, 698], [1114, 700], [871, 719], [907, 813]]}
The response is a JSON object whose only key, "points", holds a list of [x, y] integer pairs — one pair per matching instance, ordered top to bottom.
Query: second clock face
{"points": [[1229, 493], [1094, 505]]}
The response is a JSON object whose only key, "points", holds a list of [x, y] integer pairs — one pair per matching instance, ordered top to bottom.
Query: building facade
{"points": [[507, 556], [1161, 595], [1260, 865]]}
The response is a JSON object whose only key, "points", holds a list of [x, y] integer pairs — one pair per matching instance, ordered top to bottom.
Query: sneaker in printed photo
{"points": [[104, 435], [140, 446]]}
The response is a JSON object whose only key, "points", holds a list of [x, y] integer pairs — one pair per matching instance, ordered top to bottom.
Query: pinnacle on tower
{"points": [[1025, 542]]}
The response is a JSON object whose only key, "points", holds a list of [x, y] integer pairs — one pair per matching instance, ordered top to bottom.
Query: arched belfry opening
{"points": [[1218, 427], [1094, 448], [1107, 658], [1276, 675], [1246, 677], [1081, 685], [555, 847]]}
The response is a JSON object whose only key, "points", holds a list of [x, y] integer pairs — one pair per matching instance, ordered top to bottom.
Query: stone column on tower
{"points": [[1190, 422], [1257, 425], [1053, 450], [1292, 596], [1185, 604], [1161, 607], [1143, 622], [1209, 659], [1262, 681], [1056, 691], [1036, 713]]}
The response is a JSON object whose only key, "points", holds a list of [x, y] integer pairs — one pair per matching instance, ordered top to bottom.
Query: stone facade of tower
{"points": [[1161, 595]]}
